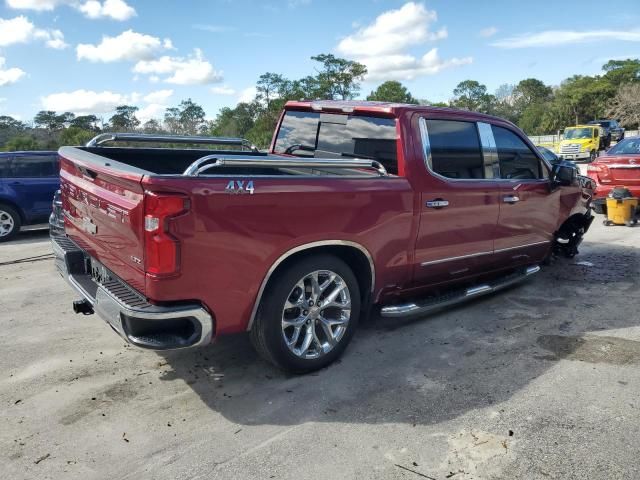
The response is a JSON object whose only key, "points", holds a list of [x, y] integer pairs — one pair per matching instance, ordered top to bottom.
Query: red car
{"points": [[618, 167], [357, 204]]}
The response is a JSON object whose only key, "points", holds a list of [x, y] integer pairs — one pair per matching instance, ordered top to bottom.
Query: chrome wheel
{"points": [[6, 223], [316, 314]]}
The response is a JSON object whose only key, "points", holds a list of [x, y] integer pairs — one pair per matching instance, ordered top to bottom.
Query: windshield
{"points": [[574, 133], [328, 135], [629, 146]]}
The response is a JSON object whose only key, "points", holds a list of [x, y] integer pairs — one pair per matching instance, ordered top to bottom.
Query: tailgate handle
{"points": [[88, 173]]}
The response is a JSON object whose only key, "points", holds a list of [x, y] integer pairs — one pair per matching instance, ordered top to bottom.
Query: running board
{"points": [[426, 306]]}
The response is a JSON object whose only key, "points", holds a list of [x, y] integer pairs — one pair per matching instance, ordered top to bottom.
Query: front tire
{"points": [[593, 156], [9, 223], [308, 315]]}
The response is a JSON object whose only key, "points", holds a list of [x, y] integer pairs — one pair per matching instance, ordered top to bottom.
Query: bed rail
{"points": [[103, 138], [216, 161]]}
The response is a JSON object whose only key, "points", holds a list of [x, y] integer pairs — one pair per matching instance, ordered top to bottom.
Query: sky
{"points": [[88, 56]]}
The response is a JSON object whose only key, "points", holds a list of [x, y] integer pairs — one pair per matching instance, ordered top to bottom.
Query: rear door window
{"points": [[325, 135], [455, 150], [517, 160], [34, 166]]}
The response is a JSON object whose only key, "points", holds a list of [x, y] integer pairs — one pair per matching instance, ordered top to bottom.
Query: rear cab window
{"points": [[328, 135], [455, 150]]}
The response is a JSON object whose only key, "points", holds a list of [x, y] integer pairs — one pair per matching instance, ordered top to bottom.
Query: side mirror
{"points": [[564, 174]]}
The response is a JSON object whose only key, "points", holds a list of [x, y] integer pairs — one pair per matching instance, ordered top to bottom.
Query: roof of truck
{"points": [[388, 108]]}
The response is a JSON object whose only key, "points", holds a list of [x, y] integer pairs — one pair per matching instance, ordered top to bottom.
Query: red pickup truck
{"points": [[356, 205]]}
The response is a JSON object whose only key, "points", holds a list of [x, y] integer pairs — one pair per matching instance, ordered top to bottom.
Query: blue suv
{"points": [[28, 181]]}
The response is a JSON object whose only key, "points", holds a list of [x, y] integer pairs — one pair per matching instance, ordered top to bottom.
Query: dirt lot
{"points": [[540, 381]]}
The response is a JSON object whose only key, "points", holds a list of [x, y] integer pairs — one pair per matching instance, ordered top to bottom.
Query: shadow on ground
{"points": [[439, 367]]}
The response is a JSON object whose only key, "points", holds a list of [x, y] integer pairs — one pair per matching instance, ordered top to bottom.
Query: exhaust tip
{"points": [[82, 306]]}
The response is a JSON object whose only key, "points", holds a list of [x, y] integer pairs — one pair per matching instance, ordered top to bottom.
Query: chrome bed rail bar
{"points": [[98, 140], [214, 161]]}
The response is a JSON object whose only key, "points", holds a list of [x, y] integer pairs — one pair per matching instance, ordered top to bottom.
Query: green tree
{"points": [[619, 72], [338, 78], [531, 90], [392, 91], [470, 95], [583, 98], [191, 117], [48, 120], [124, 120], [85, 122], [234, 122], [10, 123], [152, 126], [75, 136], [21, 142]]}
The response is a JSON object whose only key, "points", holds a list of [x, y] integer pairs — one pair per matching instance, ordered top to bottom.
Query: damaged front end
{"points": [[569, 237]]}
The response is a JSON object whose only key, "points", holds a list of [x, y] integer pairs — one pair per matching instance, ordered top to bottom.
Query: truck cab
{"points": [[580, 143]]}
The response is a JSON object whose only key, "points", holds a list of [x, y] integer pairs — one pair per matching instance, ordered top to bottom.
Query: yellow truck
{"points": [[581, 142]]}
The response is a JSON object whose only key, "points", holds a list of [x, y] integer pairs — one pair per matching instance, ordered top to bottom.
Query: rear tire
{"points": [[593, 156], [10, 223], [292, 330]]}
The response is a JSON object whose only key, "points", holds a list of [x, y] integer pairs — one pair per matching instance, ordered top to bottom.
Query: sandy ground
{"points": [[539, 381]]}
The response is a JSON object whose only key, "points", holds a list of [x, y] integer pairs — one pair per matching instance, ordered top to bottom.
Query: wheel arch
{"points": [[16, 207], [353, 254]]}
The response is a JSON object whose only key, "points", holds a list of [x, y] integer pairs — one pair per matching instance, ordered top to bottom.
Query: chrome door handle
{"points": [[511, 199], [437, 203]]}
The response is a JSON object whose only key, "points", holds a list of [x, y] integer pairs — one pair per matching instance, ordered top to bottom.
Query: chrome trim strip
{"points": [[621, 165], [307, 246], [521, 246], [479, 254], [450, 259]]}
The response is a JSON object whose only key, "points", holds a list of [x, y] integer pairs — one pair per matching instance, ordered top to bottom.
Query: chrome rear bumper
{"points": [[127, 311]]}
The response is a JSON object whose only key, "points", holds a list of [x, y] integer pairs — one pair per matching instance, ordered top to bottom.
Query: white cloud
{"points": [[38, 5], [115, 9], [213, 28], [21, 30], [392, 32], [488, 32], [552, 38], [129, 45], [384, 45], [408, 67], [192, 70], [10, 75], [223, 90], [248, 94], [158, 96], [86, 101], [153, 110]]}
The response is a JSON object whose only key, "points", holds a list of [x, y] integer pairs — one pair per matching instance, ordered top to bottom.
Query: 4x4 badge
{"points": [[240, 186]]}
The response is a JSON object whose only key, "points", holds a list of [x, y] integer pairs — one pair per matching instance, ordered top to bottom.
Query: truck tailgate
{"points": [[104, 212]]}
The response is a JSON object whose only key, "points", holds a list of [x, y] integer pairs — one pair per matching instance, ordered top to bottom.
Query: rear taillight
{"points": [[600, 172], [162, 250]]}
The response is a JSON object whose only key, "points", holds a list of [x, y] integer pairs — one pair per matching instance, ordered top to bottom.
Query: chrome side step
{"points": [[422, 307]]}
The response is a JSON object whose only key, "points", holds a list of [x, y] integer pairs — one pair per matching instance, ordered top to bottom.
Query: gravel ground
{"points": [[539, 381]]}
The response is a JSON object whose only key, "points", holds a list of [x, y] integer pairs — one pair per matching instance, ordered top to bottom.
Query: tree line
{"points": [[535, 107]]}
